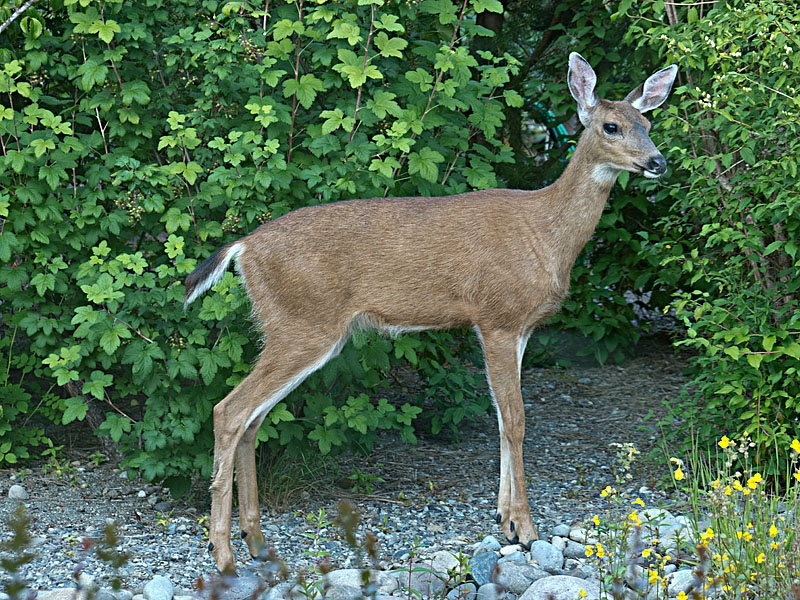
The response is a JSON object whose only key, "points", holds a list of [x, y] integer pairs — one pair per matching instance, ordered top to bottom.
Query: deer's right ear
{"points": [[582, 81], [653, 92]]}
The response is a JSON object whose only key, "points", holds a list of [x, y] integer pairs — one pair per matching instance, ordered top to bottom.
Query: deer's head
{"points": [[619, 132]]}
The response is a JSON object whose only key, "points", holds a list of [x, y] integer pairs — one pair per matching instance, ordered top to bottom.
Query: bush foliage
{"points": [[139, 137]]}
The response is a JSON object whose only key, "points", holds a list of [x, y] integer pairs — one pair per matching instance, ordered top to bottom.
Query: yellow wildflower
{"points": [[724, 442], [795, 445], [678, 474], [797, 476], [753, 482], [737, 486], [608, 490], [728, 490], [638, 501], [634, 519], [596, 521], [773, 531], [708, 535], [773, 545], [600, 550], [589, 551], [646, 552], [761, 558], [582, 593], [682, 596]]}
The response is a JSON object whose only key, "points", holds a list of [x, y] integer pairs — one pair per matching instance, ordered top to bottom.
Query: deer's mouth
{"points": [[647, 172]]}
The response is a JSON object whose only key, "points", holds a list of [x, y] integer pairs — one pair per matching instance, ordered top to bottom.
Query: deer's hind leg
{"points": [[290, 355]]}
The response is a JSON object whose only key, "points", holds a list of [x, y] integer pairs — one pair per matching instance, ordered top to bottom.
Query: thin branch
{"points": [[17, 13], [363, 70], [296, 78]]}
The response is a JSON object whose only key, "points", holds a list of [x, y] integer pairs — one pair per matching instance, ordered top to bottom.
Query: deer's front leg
{"points": [[502, 350]]}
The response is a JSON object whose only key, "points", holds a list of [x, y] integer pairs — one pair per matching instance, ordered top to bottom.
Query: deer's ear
{"points": [[582, 81], [653, 92]]}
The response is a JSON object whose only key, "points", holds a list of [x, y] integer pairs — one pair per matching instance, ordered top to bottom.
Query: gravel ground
{"points": [[439, 493]]}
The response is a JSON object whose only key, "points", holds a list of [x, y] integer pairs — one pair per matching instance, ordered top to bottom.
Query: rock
{"points": [[17, 492], [141, 494], [163, 506], [661, 524], [561, 530], [583, 535], [559, 542], [488, 544], [506, 550], [575, 550], [402, 555], [548, 556], [516, 557], [444, 562], [481, 567], [517, 578], [680, 581], [386, 583], [425, 583], [244, 587], [561, 587], [159, 588], [280, 591], [464, 591], [490, 591], [343, 592], [57, 594], [184, 597]]}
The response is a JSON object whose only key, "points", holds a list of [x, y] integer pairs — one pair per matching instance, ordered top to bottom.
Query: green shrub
{"points": [[139, 137], [729, 245]]}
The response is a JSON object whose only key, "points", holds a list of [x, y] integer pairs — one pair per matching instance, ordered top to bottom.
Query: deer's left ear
{"points": [[653, 92]]}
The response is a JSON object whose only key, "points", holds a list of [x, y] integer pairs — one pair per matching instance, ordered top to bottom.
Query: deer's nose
{"points": [[657, 165]]}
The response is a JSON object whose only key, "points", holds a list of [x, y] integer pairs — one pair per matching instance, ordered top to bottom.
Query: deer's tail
{"points": [[211, 270]]}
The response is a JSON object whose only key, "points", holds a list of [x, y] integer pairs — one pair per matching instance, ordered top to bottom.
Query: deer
{"points": [[495, 260]]}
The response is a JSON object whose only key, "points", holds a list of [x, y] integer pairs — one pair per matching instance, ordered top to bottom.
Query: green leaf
{"points": [[491, 5], [105, 30], [390, 46], [92, 73], [306, 89], [382, 103], [424, 163], [755, 360], [76, 408]]}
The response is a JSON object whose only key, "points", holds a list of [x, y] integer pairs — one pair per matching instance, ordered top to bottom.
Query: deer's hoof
{"points": [[498, 518], [243, 534]]}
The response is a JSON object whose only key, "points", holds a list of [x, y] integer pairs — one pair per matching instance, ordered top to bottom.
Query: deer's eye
{"points": [[610, 128]]}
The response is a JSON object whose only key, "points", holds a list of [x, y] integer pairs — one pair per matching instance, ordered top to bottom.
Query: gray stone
{"points": [[17, 492], [660, 523], [561, 530], [582, 535], [559, 542], [488, 544], [506, 550], [575, 550], [548, 556], [516, 557], [445, 562], [481, 567], [517, 578], [680, 581], [386, 583], [425, 583], [561, 587], [159, 588], [280, 591], [463, 591], [490, 591], [343, 592], [57, 594], [184, 597]]}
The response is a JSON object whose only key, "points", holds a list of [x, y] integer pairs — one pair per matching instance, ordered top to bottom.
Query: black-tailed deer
{"points": [[496, 260]]}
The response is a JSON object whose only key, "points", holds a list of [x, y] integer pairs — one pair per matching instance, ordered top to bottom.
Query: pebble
{"points": [[17, 492], [547, 556], [481, 566], [159, 588]]}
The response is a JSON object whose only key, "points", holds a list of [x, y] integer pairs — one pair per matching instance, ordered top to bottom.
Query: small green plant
{"points": [[97, 458], [62, 469], [363, 482], [163, 521]]}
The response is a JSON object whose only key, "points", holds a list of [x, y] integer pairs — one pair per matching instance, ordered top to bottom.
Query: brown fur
{"points": [[497, 260]]}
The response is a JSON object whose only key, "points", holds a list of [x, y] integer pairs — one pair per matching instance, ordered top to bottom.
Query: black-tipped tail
{"points": [[210, 271]]}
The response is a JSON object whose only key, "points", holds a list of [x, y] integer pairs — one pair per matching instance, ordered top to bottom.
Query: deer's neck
{"points": [[577, 199]]}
